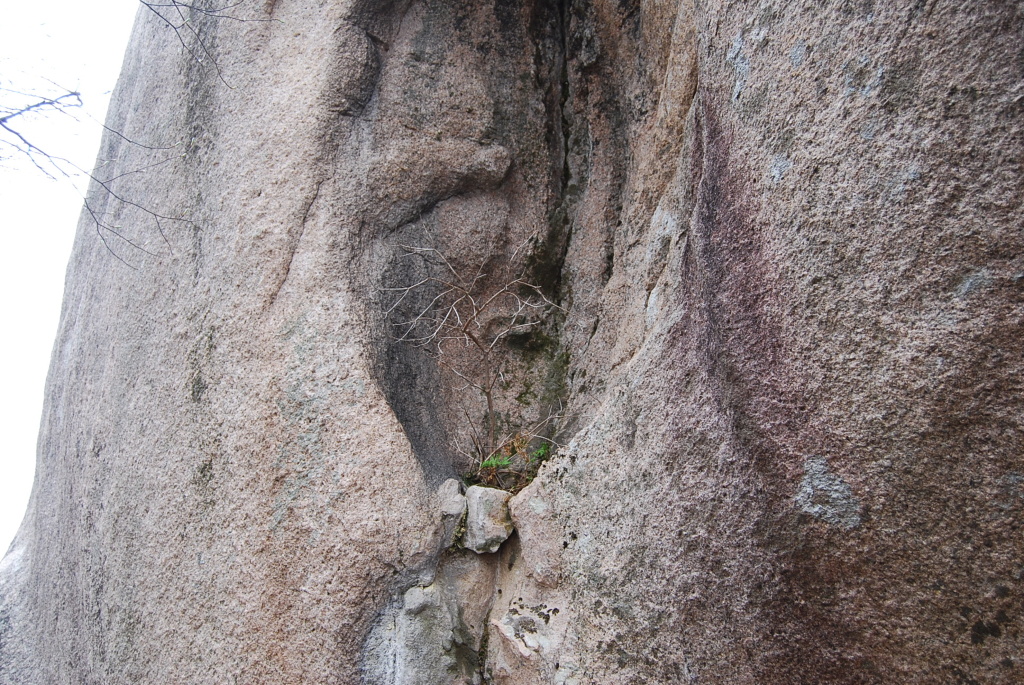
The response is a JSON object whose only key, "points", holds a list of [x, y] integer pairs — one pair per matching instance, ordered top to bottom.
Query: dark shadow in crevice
{"points": [[408, 373]]}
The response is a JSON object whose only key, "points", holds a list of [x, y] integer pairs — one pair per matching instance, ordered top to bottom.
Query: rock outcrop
{"points": [[775, 257], [488, 523]]}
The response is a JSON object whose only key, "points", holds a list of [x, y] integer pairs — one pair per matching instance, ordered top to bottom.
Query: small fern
{"points": [[541, 453], [498, 461]]}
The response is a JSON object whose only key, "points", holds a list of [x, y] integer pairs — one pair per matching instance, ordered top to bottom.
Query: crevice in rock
{"points": [[296, 242], [548, 257], [411, 379], [437, 618]]}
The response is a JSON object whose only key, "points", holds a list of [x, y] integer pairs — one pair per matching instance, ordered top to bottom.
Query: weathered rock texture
{"points": [[786, 372], [488, 523]]}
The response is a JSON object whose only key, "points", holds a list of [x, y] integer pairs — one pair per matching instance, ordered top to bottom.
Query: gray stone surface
{"points": [[785, 372], [826, 496], [453, 509], [488, 523], [536, 523], [434, 633]]}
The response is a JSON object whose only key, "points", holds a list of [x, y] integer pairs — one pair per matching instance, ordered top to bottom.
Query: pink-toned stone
{"points": [[784, 240]]}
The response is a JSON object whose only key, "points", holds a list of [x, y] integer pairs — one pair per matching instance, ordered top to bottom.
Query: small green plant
{"points": [[542, 452], [496, 462], [514, 465]]}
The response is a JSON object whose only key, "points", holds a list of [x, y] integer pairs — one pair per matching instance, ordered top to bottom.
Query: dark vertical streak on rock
{"points": [[548, 31], [751, 389]]}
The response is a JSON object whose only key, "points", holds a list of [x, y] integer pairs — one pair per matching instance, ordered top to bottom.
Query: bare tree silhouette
{"points": [[20, 109]]}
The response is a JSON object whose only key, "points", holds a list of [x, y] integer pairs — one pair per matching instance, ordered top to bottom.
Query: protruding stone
{"points": [[453, 508], [535, 519], [488, 523], [419, 598]]}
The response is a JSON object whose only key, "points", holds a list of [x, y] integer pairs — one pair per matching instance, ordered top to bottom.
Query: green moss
{"points": [[544, 266], [532, 343], [555, 381], [527, 396], [460, 529], [481, 658]]}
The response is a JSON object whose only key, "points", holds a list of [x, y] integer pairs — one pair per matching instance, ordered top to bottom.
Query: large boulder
{"points": [[780, 257]]}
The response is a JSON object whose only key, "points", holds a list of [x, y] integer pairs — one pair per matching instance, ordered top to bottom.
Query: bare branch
{"points": [[178, 16], [69, 99], [14, 138], [135, 142], [55, 164], [462, 319]]}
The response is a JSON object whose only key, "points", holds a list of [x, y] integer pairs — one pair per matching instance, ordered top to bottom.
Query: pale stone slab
{"points": [[453, 508], [488, 523]]}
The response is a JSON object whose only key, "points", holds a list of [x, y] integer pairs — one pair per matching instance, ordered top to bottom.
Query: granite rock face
{"points": [[784, 370]]}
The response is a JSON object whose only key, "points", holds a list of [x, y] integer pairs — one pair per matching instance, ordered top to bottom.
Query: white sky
{"points": [[78, 45]]}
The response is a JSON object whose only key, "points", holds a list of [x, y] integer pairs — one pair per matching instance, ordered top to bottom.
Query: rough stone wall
{"points": [[785, 240]]}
